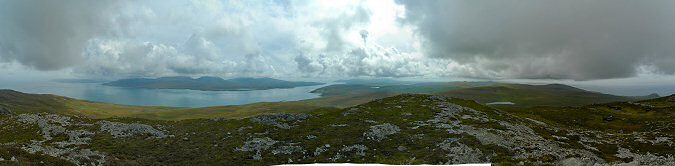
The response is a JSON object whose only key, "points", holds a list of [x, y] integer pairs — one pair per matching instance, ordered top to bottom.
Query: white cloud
{"points": [[237, 38]]}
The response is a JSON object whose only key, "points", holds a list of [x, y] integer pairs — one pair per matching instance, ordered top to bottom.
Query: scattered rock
{"points": [[350, 111], [218, 119], [274, 119], [370, 121], [338, 125], [117, 129], [379, 132], [257, 145], [288, 149], [321, 149], [358, 149], [460, 153], [648, 158]]}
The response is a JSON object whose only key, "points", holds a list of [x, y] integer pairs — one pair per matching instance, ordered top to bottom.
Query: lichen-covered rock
{"points": [[278, 119], [52, 125], [117, 129], [379, 132], [257, 145], [288, 149], [321, 149], [357, 149], [460, 153], [74, 155], [646, 159]]}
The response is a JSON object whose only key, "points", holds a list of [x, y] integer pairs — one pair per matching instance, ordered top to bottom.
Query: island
{"points": [[209, 83]]}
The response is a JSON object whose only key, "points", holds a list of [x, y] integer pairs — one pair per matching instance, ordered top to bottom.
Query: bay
{"points": [[158, 97]]}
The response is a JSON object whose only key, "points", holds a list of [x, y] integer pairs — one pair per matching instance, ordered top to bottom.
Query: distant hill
{"points": [[374, 81], [208, 83], [423, 87], [537, 95]]}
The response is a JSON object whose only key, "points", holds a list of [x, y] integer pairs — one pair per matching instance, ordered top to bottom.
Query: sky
{"points": [[578, 41]]}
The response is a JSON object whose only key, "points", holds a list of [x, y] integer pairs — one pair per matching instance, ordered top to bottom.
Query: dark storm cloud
{"points": [[50, 35], [572, 39]]}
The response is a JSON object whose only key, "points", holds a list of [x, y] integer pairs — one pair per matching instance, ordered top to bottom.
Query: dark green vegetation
{"points": [[208, 83], [648, 115], [403, 129], [21, 157]]}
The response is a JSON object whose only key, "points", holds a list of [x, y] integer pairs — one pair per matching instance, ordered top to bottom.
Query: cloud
{"points": [[333, 29], [50, 35], [212, 37], [576, 39], [197, 57], [373, 60]]}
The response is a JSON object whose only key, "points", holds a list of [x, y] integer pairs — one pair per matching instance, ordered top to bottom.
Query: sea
{"points": [[95, 91]]}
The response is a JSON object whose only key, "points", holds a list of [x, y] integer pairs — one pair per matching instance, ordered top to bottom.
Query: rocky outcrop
{"points": [[280, 120], [53, 125], [117, 129], [379, 132], [258, 145], [357, 149]]}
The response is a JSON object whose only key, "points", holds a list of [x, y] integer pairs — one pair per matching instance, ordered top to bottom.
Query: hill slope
{"points": [[208, 83], [534, 95], [404, 129]]}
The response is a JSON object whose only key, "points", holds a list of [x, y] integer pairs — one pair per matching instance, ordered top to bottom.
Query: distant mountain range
{"points": [[208, 83], [487, 92]]}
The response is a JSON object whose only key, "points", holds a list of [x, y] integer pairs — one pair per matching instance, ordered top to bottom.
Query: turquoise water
{"points": [[158, 97]]}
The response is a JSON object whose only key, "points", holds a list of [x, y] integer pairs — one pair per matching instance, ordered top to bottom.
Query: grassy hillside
{"points": [[208, 83], [534, 95], [648, 115], [403, 129]]}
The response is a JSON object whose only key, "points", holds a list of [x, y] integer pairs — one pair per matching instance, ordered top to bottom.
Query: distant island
{"points": [[208, 83]]}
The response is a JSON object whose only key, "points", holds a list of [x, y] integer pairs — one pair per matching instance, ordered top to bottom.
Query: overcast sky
{"points": [[578, 40]]}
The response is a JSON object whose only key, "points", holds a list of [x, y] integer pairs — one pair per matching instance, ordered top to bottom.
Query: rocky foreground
{"points": [[405, 129]]}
